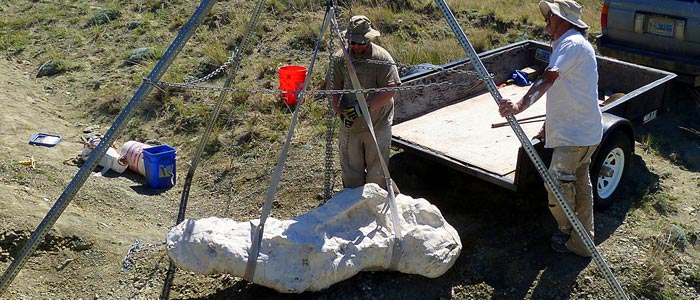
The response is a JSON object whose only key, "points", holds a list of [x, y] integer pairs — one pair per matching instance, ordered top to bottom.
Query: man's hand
{"points": [[507, 107], [353, 112], [346, 120], [540, 135]]}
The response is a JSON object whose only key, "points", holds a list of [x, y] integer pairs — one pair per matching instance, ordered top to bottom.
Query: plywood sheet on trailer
{"points": [[462, 131]]}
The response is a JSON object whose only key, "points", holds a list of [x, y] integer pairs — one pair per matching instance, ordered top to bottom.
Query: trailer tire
{"points": [[609, 169]]}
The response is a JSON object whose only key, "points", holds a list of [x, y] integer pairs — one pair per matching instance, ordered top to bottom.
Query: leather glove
{"points": [[353, 112], [346, 120]]}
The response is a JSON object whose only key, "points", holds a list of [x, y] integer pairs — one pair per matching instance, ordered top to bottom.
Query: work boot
{"points": [[559, 240]]}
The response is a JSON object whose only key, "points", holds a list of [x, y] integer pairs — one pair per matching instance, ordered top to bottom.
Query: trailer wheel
{"points": [[609, 167]]}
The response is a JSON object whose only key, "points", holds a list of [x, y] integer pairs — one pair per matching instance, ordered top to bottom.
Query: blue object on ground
{"points": [[520, 78], [45, 139], [159, 164]]}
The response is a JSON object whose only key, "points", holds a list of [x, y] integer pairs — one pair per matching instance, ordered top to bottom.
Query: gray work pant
{"points": [[359, 160], [569, 168]]}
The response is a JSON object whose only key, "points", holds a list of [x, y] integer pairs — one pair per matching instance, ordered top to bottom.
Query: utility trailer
{"points": [[456, 125]]}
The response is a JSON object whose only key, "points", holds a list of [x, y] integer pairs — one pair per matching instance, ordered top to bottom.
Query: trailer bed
{"points": [[449, 119], [462, 131]]}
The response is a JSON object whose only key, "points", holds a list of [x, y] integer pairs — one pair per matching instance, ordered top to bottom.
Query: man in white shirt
{"points": [[573, 126]]}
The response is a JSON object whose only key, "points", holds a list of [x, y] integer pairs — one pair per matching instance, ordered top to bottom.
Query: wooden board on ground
{"points": [[462, 131]]}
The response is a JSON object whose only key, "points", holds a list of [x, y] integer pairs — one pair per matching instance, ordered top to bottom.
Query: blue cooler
{"points": [[159, 164]]}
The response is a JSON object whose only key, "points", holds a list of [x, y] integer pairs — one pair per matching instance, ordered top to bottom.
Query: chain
{"points": [[291, 51], [234, 54], [231, 58], [380, 62], [408, 67], [218, 70], [162, 84], [330, 130], [136, 247]]}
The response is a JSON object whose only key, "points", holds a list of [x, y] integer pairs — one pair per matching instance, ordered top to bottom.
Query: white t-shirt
{"points": [[573, 114]]}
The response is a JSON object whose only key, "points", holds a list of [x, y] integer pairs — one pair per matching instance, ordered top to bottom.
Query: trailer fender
{"points": [[611, 161]]}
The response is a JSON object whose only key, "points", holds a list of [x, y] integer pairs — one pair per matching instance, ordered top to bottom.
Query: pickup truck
{"points": [[659, 34], [457, 125]]}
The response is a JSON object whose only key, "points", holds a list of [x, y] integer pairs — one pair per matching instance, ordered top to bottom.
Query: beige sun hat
{"points": [[568, 10], [360, 30]]}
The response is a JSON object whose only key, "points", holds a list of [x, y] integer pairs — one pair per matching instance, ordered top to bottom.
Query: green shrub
{"points": [[104, 16], [14, 42]]}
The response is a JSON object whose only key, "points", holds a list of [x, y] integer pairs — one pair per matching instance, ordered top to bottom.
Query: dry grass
{"points": [[414, 31], [659, 255]]}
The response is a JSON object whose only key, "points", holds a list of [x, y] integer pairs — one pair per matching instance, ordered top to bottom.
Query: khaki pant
{"points": [[359, 160], [569, 168]]}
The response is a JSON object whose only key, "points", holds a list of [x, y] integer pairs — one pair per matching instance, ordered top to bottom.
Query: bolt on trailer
{"points": [[457, 123]]}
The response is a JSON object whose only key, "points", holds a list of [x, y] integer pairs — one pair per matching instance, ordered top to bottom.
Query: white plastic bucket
{"points": [[132, 153], [110, 161]]}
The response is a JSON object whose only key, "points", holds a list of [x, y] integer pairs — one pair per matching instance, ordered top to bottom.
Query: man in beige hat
{"points": [[573, 124], [359, 160]]}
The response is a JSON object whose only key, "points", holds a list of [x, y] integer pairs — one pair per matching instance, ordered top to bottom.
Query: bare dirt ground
{"points": [[649, 237]]}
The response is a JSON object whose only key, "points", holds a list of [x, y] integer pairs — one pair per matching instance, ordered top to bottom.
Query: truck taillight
{"points": [[604, 16]]}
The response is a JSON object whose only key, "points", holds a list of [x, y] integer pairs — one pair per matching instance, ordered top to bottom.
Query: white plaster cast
{"points": [[352, 232]]}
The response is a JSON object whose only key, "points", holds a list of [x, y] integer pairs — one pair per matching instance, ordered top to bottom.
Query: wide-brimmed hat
{"points": [[568, 10], [360, 30]]}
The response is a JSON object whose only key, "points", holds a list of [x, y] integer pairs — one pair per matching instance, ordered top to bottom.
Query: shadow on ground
{"points": [[681, 121], [505, 236]]}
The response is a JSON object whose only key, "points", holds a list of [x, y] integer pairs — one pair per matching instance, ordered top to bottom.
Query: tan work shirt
{"points": [[370, 75]]}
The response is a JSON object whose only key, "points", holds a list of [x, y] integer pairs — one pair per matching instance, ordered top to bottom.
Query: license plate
{"points": [[661, 26], [542, 55], [650, 116]]}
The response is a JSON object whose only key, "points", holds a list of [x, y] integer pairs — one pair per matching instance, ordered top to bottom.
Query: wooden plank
{"points": [[462, 131]]}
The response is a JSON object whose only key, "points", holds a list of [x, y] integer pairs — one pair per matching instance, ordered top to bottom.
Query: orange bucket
{"points": [[291, 80]]}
